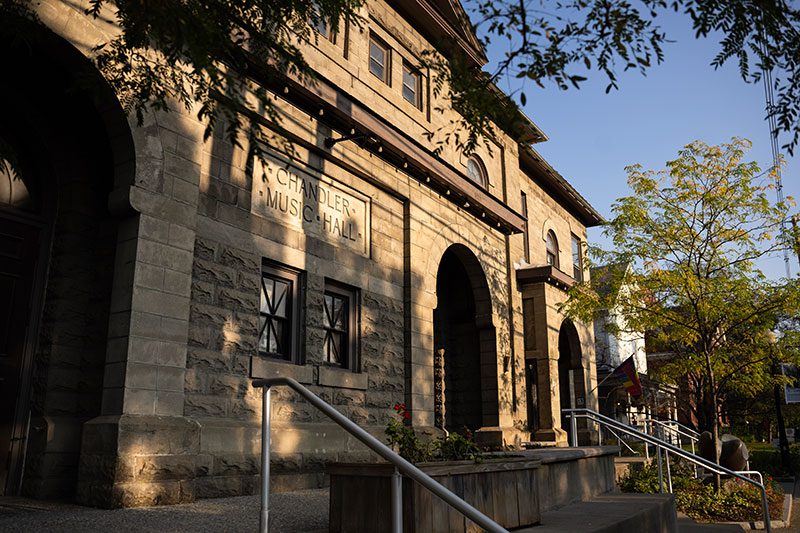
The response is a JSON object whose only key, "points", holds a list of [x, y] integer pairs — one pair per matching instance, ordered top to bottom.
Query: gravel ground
{"points": [[290, 512]]}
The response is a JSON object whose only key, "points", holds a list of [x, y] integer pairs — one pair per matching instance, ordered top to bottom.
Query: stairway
{"points": [[578, 494], [687, 525]]}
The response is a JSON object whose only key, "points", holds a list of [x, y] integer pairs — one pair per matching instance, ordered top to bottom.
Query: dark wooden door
{"points": [[19, 244], [532, 382]]}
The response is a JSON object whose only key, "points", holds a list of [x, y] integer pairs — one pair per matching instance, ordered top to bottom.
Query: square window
{"points": [[379, 60], [412, 85], [279, 312], [340, 322]]}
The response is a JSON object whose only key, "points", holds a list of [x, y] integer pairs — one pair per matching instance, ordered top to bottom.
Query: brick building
{"points": [[148, 275]]}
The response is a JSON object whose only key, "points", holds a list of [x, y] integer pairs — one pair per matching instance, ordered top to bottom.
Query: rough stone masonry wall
{"points": [[434, 223], [231, 243], [211, 403]]}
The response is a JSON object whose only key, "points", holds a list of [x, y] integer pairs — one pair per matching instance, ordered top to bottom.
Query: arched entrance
{"points": [[57, 249], [464, 342], [571, 378]]}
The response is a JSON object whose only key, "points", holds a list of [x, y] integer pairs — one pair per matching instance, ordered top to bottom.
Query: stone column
{"points": [[541, 327], [142, 450]]}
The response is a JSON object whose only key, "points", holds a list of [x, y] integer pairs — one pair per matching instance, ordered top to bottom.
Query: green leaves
{"points": [[548, 41], [217, 58], [684, 269]]}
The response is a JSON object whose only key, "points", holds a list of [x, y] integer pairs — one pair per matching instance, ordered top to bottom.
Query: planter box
{"points": [[504, 489]]}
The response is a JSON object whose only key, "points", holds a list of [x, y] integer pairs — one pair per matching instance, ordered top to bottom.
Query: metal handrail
{"points": [[677, 427], [621, 442], [669, 448], [401, 465], [752, 473]]}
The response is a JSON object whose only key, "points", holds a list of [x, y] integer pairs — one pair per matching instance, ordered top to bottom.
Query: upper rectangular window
{"points": [[320, 24], [322, 27], [379, 59], [412, 85], [525, 237], [577, 259], [279, 312], [340, 323]]}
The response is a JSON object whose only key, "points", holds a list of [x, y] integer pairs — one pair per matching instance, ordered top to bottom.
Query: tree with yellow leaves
{"points": [[694, 235]]}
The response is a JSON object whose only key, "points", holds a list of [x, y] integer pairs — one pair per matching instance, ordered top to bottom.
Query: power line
{"points": [[776, 155]]}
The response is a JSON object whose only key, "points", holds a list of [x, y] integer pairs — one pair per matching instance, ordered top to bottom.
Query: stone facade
{"points": [[198, 223]]}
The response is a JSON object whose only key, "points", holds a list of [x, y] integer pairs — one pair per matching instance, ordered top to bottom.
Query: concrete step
{"points": [[613, 513], [687, 525]]}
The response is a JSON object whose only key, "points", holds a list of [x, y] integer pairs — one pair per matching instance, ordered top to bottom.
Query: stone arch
{"points": [[77, 148], [456, 235], [465, 344], [571, 372]]}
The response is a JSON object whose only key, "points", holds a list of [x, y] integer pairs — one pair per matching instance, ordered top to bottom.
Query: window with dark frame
{"points": [[321, 25], [379, 59], [412, 85], [525, 237], [551, 249], [577, 259], [279, 312], [340, 322]]}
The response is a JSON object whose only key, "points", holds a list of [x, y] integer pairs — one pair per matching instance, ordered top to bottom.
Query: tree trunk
{"points": [[712, 393]]}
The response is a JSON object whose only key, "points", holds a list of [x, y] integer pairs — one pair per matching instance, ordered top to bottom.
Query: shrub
{"points": [[404, 440], [457, 447], [768, 460], [736, 501]]}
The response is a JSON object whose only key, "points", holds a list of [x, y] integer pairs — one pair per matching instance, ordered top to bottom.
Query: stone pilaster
{"points": [[142, 450]]}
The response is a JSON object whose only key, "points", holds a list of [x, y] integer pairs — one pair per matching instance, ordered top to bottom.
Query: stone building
{"points": [[148, 274], [614, 343]]}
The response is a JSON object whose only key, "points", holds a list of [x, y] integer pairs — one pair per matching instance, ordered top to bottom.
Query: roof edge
{"points": [[533, 164]]}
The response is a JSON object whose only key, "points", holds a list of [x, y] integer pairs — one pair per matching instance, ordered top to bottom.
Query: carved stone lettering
{"points": [[307, 199]]}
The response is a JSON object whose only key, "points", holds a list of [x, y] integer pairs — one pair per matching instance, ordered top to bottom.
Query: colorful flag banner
{"points": [[627, 371]]}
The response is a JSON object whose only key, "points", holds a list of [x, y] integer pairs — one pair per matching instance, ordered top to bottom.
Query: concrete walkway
{"points": [[291, 512]]}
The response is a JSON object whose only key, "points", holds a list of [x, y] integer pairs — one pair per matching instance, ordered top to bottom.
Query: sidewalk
{"points": [[290, 512], [795, 522]]}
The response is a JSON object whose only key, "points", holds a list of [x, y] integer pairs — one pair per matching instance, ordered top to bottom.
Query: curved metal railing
{"points": [[599, 419], [676, 428], [401, 465]]}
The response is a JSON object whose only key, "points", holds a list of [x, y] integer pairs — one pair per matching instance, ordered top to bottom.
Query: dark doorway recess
{"points": [[58, 245], [465, 336], [571, 380]]}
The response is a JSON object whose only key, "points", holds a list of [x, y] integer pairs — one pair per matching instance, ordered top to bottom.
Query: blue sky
{"points": [[594, 135]]}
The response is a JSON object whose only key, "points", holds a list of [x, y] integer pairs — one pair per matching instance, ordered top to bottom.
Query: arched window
{"points": [[476, 171], [14, 192], [551, 246]]}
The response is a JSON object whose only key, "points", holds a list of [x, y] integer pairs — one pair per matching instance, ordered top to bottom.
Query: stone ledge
{"points": [[263, 368], [344, 379], [560, 455]]}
